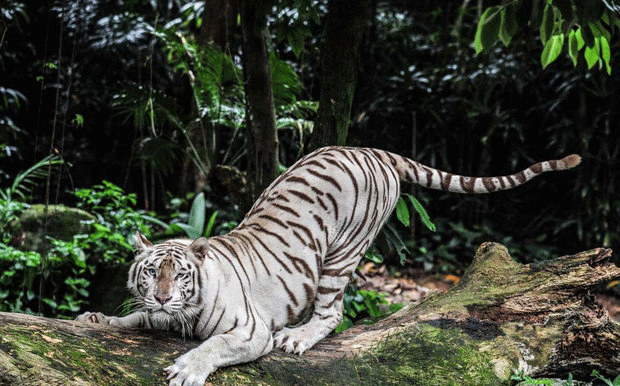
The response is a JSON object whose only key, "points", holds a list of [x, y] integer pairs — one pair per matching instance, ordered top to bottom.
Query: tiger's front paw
{"points": [[98, 317], [293, 340], [190, 369]]}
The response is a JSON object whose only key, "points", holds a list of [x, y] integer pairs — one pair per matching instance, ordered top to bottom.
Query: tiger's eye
{"points": [[152, 272]]}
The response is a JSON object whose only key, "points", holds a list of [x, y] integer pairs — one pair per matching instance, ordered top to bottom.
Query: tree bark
{"points": [[219, 21], [338, 66], [262, 146], [502, 317]]}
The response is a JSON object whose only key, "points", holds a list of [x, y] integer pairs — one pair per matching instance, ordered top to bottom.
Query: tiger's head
{"points": [[166, 280]]}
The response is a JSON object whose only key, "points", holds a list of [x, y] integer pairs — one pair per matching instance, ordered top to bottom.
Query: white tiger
{"points": [[294, 252]]}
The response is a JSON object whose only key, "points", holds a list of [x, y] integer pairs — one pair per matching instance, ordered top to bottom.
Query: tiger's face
{"points": [[166, 280]]}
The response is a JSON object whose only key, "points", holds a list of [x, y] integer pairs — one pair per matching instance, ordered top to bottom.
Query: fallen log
{"points": [[502, 317]]}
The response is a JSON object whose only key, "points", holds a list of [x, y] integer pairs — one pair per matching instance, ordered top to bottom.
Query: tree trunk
{"points": [[220, 18], [339, 62], [262, 146], [502, 317]]}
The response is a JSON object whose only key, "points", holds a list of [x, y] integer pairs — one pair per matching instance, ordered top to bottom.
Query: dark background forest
{"points": [[150, 97]]}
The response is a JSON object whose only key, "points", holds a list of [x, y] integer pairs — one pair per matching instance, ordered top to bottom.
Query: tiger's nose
{"points": [[163, 298]]}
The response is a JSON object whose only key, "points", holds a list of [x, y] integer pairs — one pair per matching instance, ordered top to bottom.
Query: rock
{"points": [[57, 221]]}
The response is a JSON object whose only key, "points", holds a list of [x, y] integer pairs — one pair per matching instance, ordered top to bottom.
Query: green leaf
{"points": [[509, 25], [546, 26], [488, 28], [599, 30], [297, 37], [575, 44], [573, 49], [552, 50], [605, 53], [592, 54], [285, 81], [78, 120], [25, 181], [402, 212], [197, 217], [426, 219], [210, 224], [189, 231], [374, 257], [50, 302], [395, 307], [346, 323]]}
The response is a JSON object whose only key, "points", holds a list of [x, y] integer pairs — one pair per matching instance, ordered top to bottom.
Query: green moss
{"points": [[50, 351], [422, 355], [429, 355]]}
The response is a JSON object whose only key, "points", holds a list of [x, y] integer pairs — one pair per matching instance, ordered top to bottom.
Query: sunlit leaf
{"points": [[575, 44], [552, 50], [605, 53], [592, 54]]}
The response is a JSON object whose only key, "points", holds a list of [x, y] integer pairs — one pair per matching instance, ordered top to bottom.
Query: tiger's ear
{"points": [[141, 242], [199, 247]]}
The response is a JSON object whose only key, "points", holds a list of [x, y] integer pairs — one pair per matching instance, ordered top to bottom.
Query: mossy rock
{"points": [[57, 221]]}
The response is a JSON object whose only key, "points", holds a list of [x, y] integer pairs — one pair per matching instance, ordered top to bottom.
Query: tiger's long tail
{"points": [[428, 177]]}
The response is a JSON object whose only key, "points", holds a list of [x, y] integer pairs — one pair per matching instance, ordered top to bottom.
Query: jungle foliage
{"points": [[583, 25], [134, 94]]}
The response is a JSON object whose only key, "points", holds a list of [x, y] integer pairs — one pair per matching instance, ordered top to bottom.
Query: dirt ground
{"points": [[413, 284]]}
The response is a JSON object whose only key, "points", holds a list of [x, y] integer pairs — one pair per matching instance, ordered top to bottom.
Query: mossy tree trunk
{"points": [[502, 317]]}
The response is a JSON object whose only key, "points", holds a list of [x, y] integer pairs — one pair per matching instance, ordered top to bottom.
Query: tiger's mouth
{"points": [[160, 311]]}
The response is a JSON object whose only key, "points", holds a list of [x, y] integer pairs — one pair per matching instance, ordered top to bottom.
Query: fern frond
{"points": [[285, 82], [25, 181]]}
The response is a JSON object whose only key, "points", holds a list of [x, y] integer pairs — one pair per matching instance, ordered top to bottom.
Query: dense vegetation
{"points": [[141, 115]]}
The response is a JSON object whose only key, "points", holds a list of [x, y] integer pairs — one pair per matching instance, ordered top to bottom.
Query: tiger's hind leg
{"points": [[327, 313]]}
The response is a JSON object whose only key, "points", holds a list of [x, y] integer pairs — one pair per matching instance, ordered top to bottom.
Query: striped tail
{"points": [[423, 175]]}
